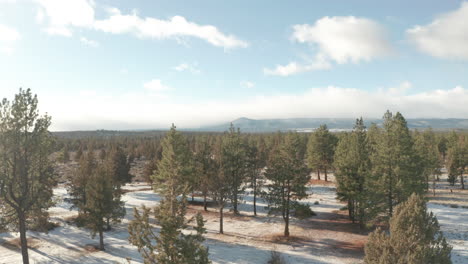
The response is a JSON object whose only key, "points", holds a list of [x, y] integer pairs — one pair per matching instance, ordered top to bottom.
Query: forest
{"points": [[382, 178]]}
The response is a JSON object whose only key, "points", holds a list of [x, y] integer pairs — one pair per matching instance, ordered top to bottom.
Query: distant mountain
{"points": [[336, 124]]}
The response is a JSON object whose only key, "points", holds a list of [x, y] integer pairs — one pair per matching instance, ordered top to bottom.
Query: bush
{"points": [[316, 203], [302, 211], [276, 258]]}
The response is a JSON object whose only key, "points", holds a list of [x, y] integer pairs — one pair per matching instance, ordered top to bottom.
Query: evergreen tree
{"points": [[426, 147], [320, 150], [65, 154], [457, 159], [255, 162], [233, 164], [119, 166], [204, 167], [174, 169], [395, 169], [352, 171], [26, 174], [288, 176], [77, 183], [220, 191], [103, 201], [414, 237], [171, 245]]}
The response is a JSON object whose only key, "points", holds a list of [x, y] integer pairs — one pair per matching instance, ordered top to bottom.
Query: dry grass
{"points": [[15, 243]]}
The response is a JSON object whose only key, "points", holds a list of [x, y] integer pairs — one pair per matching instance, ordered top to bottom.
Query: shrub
{"points": [[302, 211]]}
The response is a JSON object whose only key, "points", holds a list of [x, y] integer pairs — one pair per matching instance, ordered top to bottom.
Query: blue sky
{"points": [[145, 64]]}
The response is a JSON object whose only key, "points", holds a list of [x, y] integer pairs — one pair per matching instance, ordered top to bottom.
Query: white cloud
{"points": [[62, 16], [175, 27], [8, 37], [445, 37], [337, 39], [345, 39], [89, 42], [320, 63], [187, 67], [247, 84], [156, 88], [137, 110]]}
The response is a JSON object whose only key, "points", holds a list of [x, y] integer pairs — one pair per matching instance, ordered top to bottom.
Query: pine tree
{"points": [[426, 147], [320, 150], [65, 155], [457, 159], [255, 162], [233, 164], [119, 166], [204, 167], [174, 169], [395, 169], [352, 171], [26, 174], [288, 176], [77, 183], [220, 191], [103, 201], [414, 237], [171, 245]]}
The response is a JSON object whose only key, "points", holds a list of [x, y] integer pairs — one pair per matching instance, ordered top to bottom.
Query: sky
{"points": [[144, 64]]}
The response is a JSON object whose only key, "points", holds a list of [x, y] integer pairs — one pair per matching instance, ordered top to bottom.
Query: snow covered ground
{"points": [[247, 239]]}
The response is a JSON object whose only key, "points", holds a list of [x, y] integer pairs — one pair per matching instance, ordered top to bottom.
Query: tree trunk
{"points": [[318, 174], [326, 176], [461, 181], [193, 196], [204, 202], [235, 202], [255, 202], [351, 210], [286, 219], [221, 220], [23, 239], [101, 240]]}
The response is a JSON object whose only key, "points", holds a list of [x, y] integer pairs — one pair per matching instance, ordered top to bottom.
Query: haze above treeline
{"points": [[290, 124]]}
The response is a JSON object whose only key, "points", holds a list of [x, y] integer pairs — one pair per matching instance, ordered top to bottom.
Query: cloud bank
{"points": [[141, 111]]}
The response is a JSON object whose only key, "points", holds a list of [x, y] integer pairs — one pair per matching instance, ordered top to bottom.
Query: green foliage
{"points": [[320, 150], [457, 159], [233, 164], [119, 166], [175, 168], [352, 172], [26, 173], [396, 173], [288, 176], [102, 201], [301, 211], [415, 237], [170, 245]]}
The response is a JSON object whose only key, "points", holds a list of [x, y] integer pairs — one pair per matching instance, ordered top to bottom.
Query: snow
{"points": [[454, 225], [247, 239]]}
